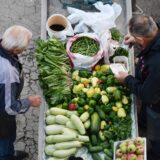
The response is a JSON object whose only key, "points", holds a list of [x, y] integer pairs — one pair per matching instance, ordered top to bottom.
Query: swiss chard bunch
{"points": [[54, 70]]}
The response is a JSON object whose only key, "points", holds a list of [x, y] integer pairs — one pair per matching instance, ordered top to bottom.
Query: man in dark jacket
{"points": [[14, 41], [146, 83]]}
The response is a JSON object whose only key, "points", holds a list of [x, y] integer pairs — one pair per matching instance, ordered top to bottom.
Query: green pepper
{"points": [[92, 103], [80, 110]]}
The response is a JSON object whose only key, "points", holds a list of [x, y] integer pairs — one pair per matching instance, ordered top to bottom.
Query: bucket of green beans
{"points": [[84, 50]]}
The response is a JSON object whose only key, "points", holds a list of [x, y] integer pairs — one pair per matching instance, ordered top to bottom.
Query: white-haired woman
{"points": [[14, 42]]}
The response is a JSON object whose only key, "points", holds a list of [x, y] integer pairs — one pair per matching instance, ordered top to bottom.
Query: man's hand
{"points": [[129, 40], [121, 76], [35, 100]]}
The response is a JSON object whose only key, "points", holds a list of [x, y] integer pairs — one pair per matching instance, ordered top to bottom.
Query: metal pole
{"points": [[134, 5], [43, 18]]}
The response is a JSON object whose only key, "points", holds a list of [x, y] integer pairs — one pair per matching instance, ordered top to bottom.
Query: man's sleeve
{"points": [[149, 91], [14, 106]]}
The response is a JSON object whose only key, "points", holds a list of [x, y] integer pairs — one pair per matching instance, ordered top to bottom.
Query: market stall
{"points": [[86, 92]]}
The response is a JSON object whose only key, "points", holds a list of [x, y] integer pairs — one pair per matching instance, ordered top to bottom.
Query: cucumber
{"points": [[101, 113], [95, 122], [94, 139], [105, 144], [94, 149], [108, 152], [96, 156], [107, 158]]}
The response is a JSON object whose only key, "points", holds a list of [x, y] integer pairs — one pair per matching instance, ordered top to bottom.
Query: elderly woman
{"points": [[14, 42], [146, 83]]}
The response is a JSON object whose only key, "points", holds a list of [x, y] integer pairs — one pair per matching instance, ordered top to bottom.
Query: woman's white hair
{"points": [[16, 37]]}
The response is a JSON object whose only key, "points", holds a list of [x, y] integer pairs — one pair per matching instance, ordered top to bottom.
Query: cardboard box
{"points": [[116, 146]]}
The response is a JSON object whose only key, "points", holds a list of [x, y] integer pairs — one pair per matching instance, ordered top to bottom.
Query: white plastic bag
{"points": [[97, 21], [105, 39], [80, 61]]}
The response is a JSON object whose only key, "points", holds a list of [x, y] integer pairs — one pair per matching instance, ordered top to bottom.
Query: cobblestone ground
{"points": [[26, 13]]}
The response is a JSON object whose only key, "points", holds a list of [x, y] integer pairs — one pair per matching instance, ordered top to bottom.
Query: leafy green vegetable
{"points": [[116, 35], [119, 52], [54, 71]]}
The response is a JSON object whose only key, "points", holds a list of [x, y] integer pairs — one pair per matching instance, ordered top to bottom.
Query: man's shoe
{"points": [[20, 155]]}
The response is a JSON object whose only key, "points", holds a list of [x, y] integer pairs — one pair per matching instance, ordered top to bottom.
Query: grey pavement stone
{"points": [[20, 146]]}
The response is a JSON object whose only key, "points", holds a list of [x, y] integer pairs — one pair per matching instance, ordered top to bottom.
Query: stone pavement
{"points": [[26, 13]]}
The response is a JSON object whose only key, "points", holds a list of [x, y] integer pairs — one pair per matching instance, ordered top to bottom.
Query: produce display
{"points": [[85, 46], [105, 104], [86, 107], [131, 149]]}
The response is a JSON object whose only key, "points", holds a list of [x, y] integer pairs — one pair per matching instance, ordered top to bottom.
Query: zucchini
{"points": [[58, 111], [69, 113], [60, 119], [50, 120], [95, 123], [78, 124], [70, 125], [54, 129], [68, 131], [60, 138], [83, 138], [67, 145], [49, 149], [64, 153], [96, 156]]}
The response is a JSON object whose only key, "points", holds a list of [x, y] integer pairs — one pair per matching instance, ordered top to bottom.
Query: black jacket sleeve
{"points": [[149, 90]]}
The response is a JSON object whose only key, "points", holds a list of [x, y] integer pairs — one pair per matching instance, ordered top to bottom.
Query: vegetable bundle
{"points": [[54, 70]]}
